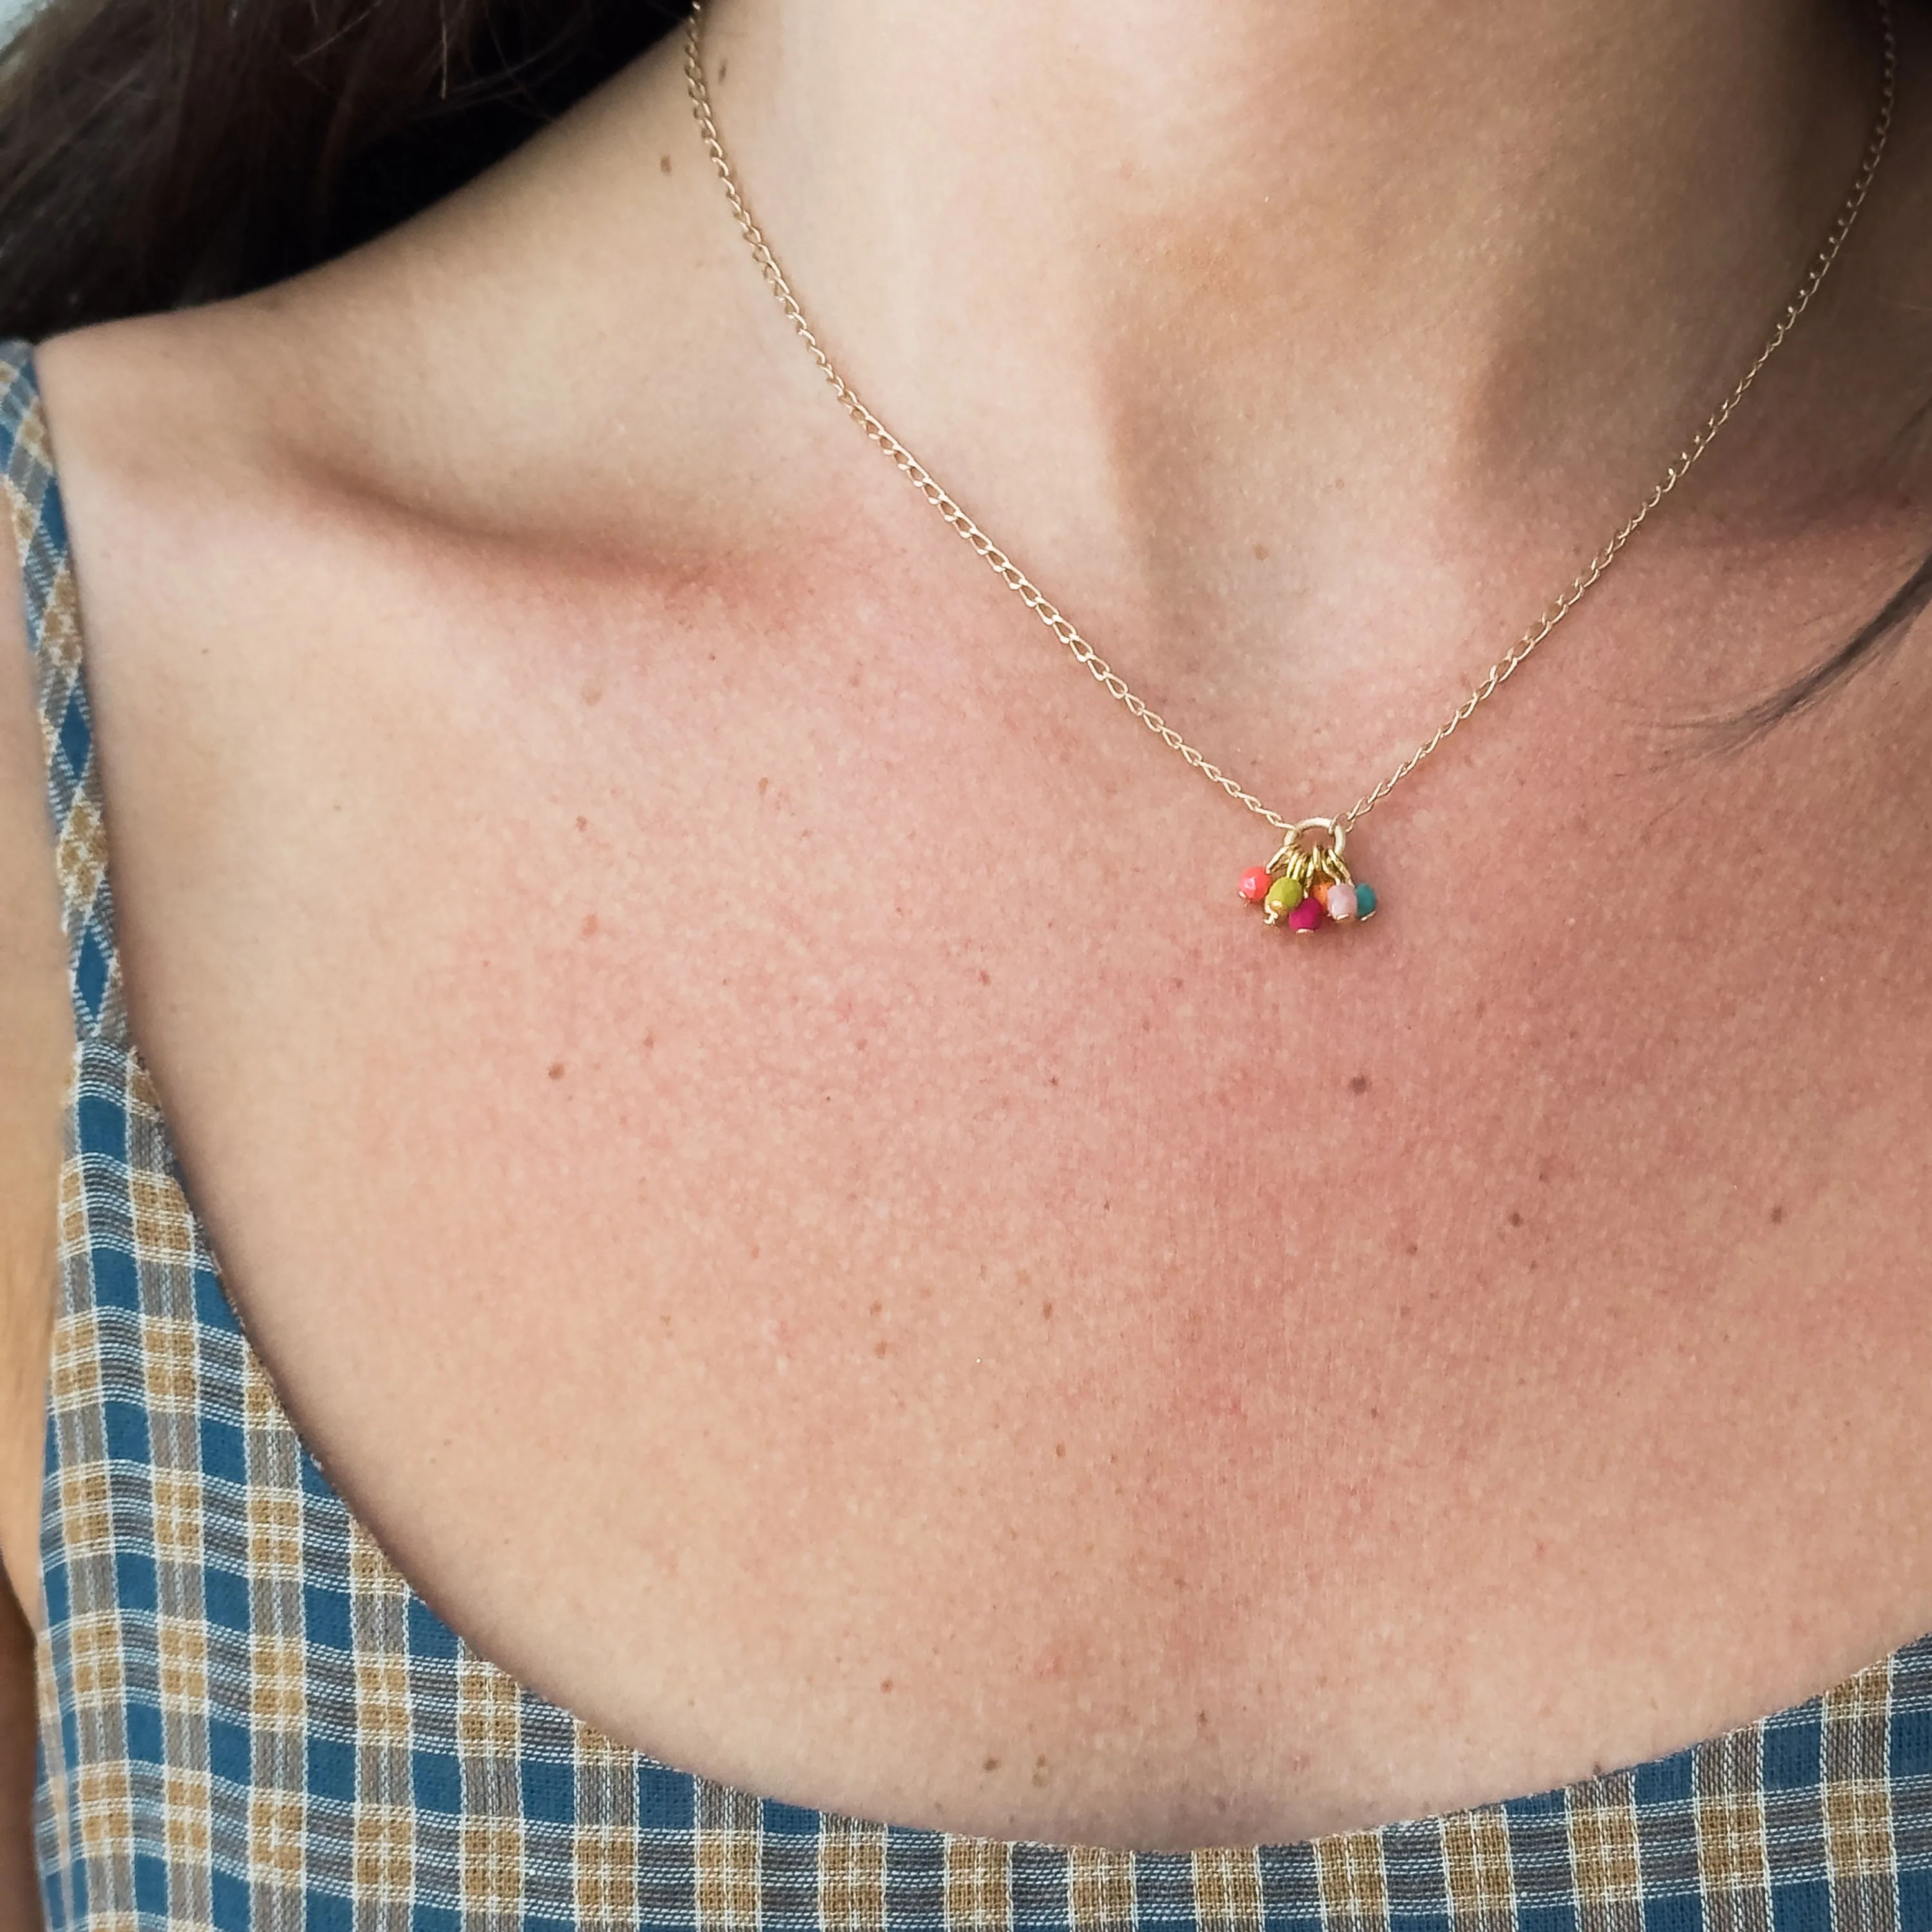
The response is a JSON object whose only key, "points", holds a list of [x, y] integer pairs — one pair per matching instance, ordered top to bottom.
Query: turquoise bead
{"points": [[1365, 900]]}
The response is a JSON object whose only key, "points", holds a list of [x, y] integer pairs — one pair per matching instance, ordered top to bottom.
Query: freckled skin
{"points": [[938, 1312]]}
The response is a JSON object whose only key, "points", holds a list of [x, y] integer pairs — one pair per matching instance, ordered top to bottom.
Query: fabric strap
{"points": [[66, 724]]}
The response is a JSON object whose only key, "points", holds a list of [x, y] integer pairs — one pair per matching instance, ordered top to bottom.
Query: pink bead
{"points": [[1255, 883], [1342, 902], [1306, 916]]}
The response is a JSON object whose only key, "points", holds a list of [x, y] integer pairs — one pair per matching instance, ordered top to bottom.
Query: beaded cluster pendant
{"points": [[1307, 883]]}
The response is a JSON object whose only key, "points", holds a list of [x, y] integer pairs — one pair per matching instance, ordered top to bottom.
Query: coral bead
{"points": [[1255, 883], [1283, 896], [1365, 900], [1341, 902], [1306, 916]]}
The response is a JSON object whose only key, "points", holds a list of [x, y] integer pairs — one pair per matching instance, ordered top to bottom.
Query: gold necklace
{"points": [[1307, 883]]}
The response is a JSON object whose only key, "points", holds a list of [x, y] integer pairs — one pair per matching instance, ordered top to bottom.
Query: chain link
{"points": [[1036, 600]]}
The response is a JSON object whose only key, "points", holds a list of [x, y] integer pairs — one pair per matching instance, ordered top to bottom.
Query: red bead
{"points": [[1255, 883]]}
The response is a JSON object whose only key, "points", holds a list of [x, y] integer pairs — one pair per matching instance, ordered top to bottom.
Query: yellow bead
{"points": [[1283, 896]]}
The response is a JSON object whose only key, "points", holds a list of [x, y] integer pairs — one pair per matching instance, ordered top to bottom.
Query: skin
{"points": [[730, 1085]]}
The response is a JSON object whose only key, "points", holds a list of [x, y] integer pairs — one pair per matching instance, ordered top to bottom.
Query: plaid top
{"points": [[248, 1718]]}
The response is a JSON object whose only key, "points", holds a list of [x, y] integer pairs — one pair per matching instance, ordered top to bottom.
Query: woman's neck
{"points": [[1170, 258]]}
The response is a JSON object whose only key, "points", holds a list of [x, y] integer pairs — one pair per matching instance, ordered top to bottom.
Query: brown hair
{"points": [[159, 152]]}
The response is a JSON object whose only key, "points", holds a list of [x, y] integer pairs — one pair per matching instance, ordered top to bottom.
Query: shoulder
{"points": [[531, 358], [292, 509], [326, 514]]}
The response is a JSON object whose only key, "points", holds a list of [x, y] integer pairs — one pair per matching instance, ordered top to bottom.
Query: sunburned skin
{"points": [[734, 1091]]}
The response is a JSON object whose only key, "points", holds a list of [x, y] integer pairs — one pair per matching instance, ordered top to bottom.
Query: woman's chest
{"points": [[869, 1280]]}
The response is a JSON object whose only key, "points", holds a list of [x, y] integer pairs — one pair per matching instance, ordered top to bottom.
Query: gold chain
{"points": [[1036, 600]]}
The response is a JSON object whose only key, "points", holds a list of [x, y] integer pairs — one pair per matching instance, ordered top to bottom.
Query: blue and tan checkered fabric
{"points": [[249, 1719]]}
